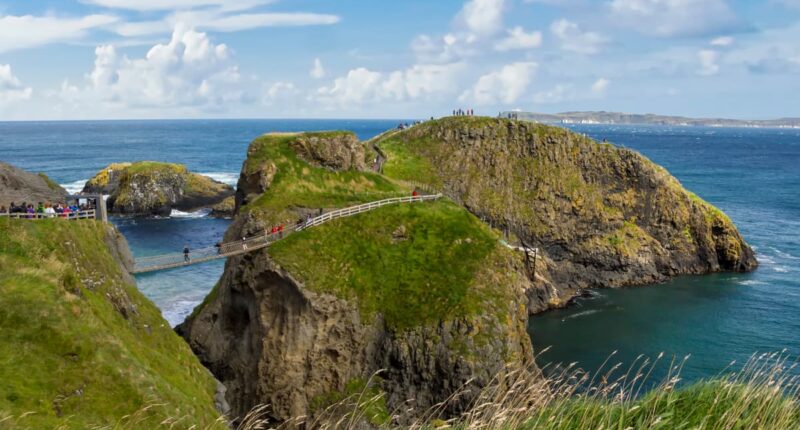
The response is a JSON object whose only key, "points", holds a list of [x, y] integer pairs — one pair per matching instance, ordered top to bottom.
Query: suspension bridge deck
{"points": [[254, 243]]}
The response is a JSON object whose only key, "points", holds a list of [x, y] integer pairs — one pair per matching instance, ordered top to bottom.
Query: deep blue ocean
{"points": [[751, 174]]}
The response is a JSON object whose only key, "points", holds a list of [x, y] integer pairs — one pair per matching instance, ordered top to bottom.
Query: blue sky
{"points": [[107, 59]]}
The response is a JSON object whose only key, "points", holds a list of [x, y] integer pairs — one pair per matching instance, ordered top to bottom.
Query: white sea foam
{"points": [[224, 177], [75, 187], [196, 214], [784, 254], [781, 269], [750, 282], [176, 312], [581, 314]]}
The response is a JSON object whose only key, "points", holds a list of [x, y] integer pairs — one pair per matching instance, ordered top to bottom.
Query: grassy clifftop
{"points": [[275, 180], [607, 216], [414, 264], [80, 346]]}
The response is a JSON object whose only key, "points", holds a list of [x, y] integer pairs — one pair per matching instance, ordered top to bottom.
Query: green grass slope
{"points": [[294, 183], [415, 264], [80, 346]]}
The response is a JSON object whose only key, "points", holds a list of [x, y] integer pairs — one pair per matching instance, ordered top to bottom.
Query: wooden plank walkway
{"points": [[250, 244]]}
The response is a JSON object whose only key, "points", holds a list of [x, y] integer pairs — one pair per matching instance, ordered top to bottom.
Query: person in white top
{"points": [[49, 211]]}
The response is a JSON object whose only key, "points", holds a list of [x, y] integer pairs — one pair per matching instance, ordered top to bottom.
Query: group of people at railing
{"points": [[45, 210]]}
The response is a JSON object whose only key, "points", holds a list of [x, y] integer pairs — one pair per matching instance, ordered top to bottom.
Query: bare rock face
{"points": [[333, 150], [17, 185], [150, 188], [603, 216], [272, 341]]}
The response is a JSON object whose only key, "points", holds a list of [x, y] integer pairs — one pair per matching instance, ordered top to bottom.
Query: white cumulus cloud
{"points": [[151, 5], [482, 17], [667, 18], [28, 31], [518, 38], [573, 38], [722, 41], [708, 62], [317, 70], [189, 71], [505, 85], [362, 86], [600, 86], [11, 88], [559, 93]]}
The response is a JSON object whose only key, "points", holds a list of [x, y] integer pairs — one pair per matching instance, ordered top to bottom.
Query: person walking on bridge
{"points": [[186, 258]]}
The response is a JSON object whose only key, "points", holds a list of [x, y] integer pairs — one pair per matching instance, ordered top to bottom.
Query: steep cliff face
{"points": [[17, 185], [150, 188], [602, 215], [424, 292], [81, 346]]}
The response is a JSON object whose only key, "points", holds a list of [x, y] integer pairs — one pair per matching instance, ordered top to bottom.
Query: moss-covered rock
{"points": [[152, 188], [225, 208], [602, 215], [425, 292], [81, 347]]}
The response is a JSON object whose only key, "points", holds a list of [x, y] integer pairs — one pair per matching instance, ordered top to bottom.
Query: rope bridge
{"points": [[250, 244]]}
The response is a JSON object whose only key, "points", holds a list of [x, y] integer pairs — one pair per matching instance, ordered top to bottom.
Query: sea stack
{"points": [[149, 188]]}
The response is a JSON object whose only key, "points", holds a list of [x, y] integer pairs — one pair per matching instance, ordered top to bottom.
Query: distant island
{"points": [[602, 117]]}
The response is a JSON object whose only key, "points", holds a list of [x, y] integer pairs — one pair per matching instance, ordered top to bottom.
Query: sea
{"points": [[714, 323]]}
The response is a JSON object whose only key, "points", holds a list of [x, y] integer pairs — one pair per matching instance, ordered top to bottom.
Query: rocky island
{"points": [[149, 188], [428, 293]]}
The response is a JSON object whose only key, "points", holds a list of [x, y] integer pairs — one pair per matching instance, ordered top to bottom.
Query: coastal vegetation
{"points": [[286, 181], [154, 188], [413, 264], [81, 347], [763, 394]]}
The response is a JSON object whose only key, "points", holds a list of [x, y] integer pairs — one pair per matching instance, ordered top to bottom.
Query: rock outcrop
{"points": [[333, 150], [17, 185], [149, 188], [603, 216], [281, 329]]}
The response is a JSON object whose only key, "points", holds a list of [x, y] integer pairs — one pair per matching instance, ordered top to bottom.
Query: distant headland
{"points": [[602, 117]]}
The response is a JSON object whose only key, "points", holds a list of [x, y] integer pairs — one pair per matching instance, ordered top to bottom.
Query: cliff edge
{"points": [[603, 216], [423, 292]]}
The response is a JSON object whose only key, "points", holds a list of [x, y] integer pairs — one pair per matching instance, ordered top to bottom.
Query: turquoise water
{"points": [[752, 174]]}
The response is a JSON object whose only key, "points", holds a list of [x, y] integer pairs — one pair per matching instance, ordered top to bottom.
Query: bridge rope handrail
{"points": [[87, 214], [262, 240]]}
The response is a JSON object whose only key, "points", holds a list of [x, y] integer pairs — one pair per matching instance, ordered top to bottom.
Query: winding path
{"points": [[253, 243]]}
